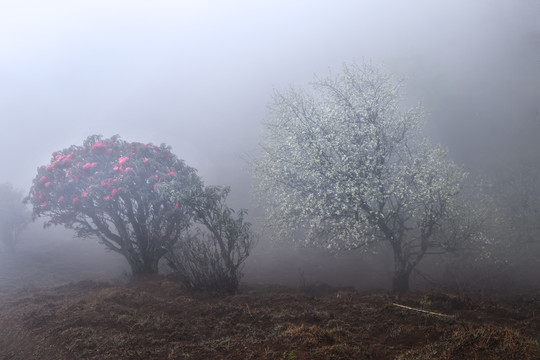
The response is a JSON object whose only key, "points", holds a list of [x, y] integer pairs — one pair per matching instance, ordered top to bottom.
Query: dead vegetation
{"points": [[159, 319]]}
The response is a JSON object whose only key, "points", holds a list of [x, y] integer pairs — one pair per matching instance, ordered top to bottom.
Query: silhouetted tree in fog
{"points": [[343, 166], [108, 188], [14, 216]]}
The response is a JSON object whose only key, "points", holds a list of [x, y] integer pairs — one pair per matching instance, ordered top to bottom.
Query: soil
{"points": [[158, 319]]}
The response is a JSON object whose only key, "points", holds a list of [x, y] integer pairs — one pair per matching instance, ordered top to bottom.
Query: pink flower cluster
{"points": [[97, 146], [64, 158], [122, 160], [53, 165], [89, 165], [108, 183]]}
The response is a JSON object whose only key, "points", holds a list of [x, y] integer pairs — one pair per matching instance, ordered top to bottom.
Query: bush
{"points": [[212, 257]]}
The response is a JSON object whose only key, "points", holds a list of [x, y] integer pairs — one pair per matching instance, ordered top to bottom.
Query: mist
{"points": [[198, 76]]}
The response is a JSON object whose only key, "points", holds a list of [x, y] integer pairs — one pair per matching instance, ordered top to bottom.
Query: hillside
{"points": [[159, 319]]}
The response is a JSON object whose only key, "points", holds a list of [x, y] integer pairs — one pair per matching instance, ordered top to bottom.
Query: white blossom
{"points": [[343, 165]]}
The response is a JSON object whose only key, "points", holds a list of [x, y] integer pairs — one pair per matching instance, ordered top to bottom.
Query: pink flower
{"points": [[98, 145], [109, 151], [54, 154], [66, 158], [123, 160], [145, 160], [89, 165], [116, 168], [128, 168], [171, 173], [156, 176], [43, 178], [47, 184], [114, 191], [84, 194], [107, 198], [61, 199], [75, 200], [44, 205], [177, 206]]}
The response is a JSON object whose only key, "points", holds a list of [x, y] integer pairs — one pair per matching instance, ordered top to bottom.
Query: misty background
{"points": [[197, 75]]}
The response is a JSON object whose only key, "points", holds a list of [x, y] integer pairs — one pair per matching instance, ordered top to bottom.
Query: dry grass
{"points": [[158, 319]]}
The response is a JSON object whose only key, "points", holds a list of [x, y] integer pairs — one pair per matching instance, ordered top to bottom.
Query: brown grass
{"points": [[158, 319]]}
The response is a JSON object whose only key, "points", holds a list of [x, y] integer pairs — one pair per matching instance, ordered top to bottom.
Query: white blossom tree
{"points": [[343, 166]]}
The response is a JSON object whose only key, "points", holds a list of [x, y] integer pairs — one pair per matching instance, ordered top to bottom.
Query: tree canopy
{"points": [[344, 166]]}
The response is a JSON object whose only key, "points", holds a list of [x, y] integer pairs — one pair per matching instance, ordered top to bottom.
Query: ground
{"points": [[48, 311], [158, 319]]}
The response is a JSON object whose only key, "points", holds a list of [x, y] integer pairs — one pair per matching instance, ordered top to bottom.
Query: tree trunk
{"points": [[142, 267], [138, 271], [400, 281]]}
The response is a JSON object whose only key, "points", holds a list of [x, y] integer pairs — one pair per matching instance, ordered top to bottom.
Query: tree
{"points": [[343, 167], [107, 188], [14, 216], [212, 257]]}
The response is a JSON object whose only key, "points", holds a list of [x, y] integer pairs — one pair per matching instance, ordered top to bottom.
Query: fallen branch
{"points": [[249, 311], [423, 311]]}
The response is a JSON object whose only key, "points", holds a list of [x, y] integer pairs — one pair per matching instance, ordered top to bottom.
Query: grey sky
{"points": [[197, 75]]}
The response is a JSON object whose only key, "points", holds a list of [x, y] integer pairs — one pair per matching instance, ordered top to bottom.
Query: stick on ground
{"points": [[424, 311]]}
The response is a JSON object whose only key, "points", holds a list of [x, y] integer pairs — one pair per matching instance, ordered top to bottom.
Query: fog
{"points": [[197, 75]]}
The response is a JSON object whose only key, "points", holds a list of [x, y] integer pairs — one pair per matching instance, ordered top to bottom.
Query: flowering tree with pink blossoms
{"points": [[109, 189]]}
